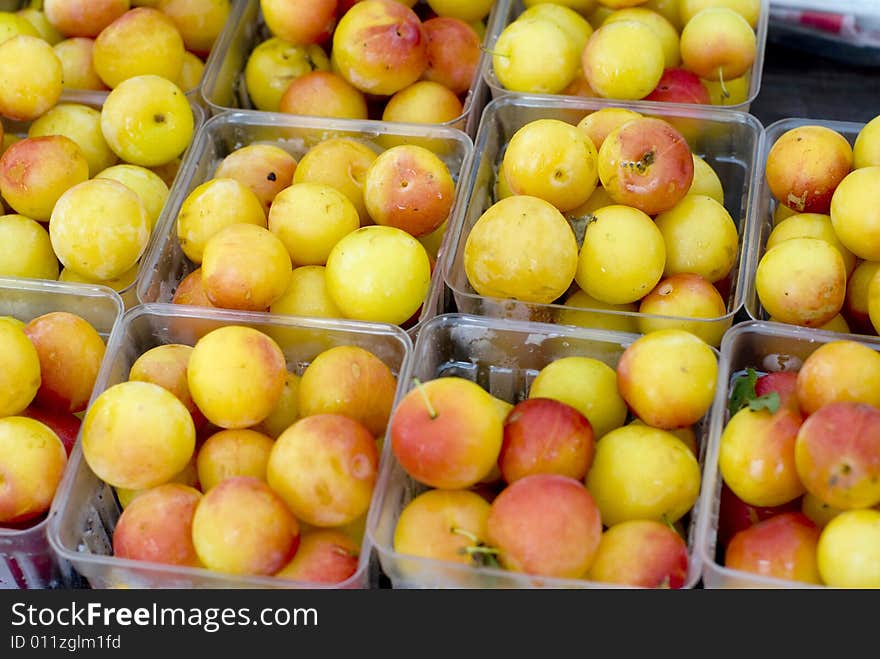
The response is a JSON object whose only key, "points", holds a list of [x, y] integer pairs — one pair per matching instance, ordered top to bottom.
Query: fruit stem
{"points": [[724, 92], [431, 411], [668, 523], [467, 534], [479, 553]]}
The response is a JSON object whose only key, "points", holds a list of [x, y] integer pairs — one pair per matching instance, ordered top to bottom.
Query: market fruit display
{"points": [[690, 52], [414, 62], [613, 213], [338, 229], [817, 263], [48, 368], [202, 441], [227, 456], [799, 458], [568, 482]]}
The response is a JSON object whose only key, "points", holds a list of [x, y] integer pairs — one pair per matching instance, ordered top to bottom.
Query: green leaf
{"points": [[743, 391], [769, 402]]}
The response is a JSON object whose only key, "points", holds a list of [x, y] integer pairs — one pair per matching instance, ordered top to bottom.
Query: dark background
{"points": [[812, 79]]}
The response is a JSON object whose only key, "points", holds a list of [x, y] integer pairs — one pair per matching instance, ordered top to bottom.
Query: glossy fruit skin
{"points": [[718, 43], [380, 47], [520, 56], [273, 64], [615, 69], [680, 86], [30, 90], [147, 121], [866, 150], [646, 163], [805, 165], [566, 174], [409, 187], [854, 212], [99, 228], [700, 237], [523, 248], [622, 257], [245, 266], [378, 274], [802, 281], [686, 296], [838, 371], [260, 372], [20, 373], [668, 378], [351, 381], [588, 385], [542, 435], [454, 447], [123, 449], [837, 453], [321, 454], [757, 456], [34, 460], [640, 472], [244, 502], [427, 525], [566, 526], [783, 546], [849, 550], [641, 553]]}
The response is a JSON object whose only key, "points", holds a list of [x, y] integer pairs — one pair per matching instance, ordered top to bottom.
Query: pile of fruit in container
{"points": [[687, 51], [372, 59], [84, 178], [616, 213], [345, 232], [821, 259], [48, 368], [224, 459], [800, 463], [566, 483]]}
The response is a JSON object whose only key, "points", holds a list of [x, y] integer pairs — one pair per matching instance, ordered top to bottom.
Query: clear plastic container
{"points": [[515, 7], [223, 87], [195, 94], [95, 100], [727, 140], [765, 203], [165, 264], [765, 347], [503, 357], [82, 520], [26, 560]]}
